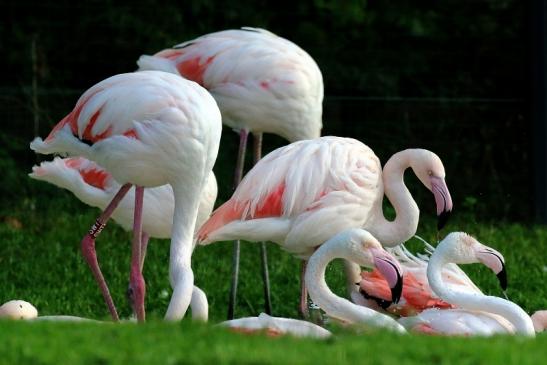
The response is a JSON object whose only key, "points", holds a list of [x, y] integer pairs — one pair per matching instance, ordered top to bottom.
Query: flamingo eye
{"points": [[430, 173]]}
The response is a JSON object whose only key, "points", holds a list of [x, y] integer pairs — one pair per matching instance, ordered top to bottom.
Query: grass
{"points": [[40, 262]]}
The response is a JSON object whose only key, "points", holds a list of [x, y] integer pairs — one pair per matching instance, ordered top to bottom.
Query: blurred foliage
{"points": [[450, 76]]}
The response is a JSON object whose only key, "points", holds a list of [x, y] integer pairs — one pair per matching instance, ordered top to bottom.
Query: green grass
{"points": [[40, 262]]}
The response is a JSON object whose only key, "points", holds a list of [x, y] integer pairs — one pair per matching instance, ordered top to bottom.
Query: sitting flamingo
{"points": [[96, 187], [360, 247], [373, 290], [476, 313], [276, 326]]}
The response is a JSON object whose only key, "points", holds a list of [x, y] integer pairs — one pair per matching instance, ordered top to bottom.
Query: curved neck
{"points": [[403, 227], [180, 270], [475, 301], [332, 304]]}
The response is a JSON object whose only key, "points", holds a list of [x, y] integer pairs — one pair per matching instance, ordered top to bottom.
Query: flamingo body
{"points": [[261, 82], [96, 187], [300, 195], [417, 295], [276, 326]]}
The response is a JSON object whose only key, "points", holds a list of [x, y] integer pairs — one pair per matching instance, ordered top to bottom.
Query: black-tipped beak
{"points": [[443, 218], [502, 277], [397, 290]]}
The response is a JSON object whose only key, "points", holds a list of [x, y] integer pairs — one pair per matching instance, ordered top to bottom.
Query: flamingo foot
{"points": [[90, 255]]}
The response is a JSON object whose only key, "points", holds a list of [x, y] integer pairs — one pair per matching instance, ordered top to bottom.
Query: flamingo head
{"points": [[429, 168], [465, 249], [368, 252]]}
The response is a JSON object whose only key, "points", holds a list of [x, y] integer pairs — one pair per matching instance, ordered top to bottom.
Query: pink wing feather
{"points": [[299, 178]]}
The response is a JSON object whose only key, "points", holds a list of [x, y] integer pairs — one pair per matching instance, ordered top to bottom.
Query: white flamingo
{"points": [[262, 83], [149, 129], [96, 187], [302, 194], [360, 247], [475, 313]]}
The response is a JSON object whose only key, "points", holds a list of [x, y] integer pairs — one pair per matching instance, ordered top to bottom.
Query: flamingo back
{"points": [[261, 82], [301, 181]]}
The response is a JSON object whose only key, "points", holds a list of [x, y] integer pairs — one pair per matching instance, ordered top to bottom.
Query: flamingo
{"points": [[262, 83], [149, 129], [95, 186], [300, 195], [359, 246], [374, 292], [476, 314], [276, 326]]}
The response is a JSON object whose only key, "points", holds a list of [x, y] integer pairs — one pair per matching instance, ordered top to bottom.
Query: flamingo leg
{"points": [[243, 134], [257, 155], [144, 245], [90, 254], [137, 285], [304, 310]]}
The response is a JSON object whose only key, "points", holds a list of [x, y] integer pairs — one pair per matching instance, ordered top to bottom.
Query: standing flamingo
{"points": [[262, 84], [149, 129], [96, 187], [302, 194], [359, 246], [374, 292], [476, 314]]}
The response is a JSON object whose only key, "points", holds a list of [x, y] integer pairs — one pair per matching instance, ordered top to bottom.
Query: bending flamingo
{"points": [[262, 84], [148, 129], [95, 186], [302, 194], [360, 247], [373, 291], [476, 314]]}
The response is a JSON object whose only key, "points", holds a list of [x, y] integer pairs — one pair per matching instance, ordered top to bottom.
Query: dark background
{"points": [[451, 76]]}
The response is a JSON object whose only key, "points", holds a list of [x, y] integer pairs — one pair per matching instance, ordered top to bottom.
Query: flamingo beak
{"points": [[443, 200], [494, 260], [391, 270]]}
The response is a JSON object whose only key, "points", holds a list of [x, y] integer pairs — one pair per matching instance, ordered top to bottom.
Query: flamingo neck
{"points": [[407, 214], [180, 271], [474, 301], [332, 304]]}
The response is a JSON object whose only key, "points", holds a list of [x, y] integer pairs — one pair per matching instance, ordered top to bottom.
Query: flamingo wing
{"points": [[260, 81], [315, 184]]}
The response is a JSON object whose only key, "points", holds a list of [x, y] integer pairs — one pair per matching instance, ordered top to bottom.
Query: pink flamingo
{"points": [[262, 84], [149, 129], [96, 187], [300, 195], [417, 295], [475, 313]]}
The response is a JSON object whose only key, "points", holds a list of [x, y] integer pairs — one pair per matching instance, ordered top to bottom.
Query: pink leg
{"points": [[243, 134], [257, 155], [144, 245], [90, 255], [136, 280]]}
